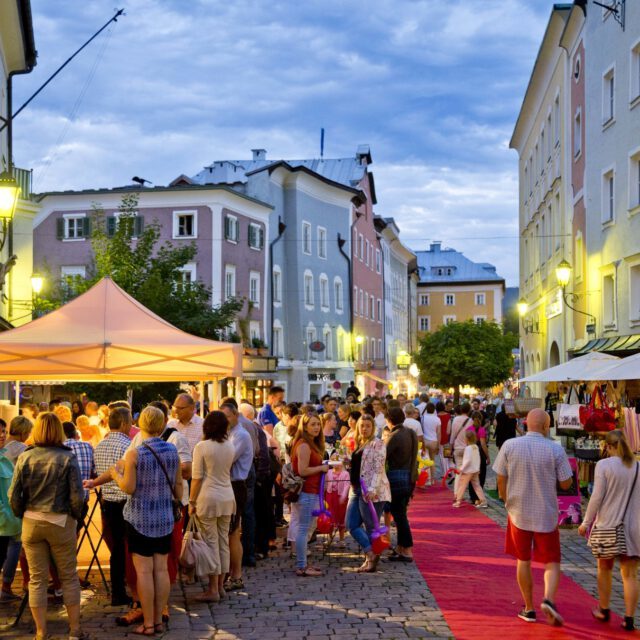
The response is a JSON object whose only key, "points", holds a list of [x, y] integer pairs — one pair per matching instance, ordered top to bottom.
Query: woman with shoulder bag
{"points": [[457, 440], [152, 478], [615, 509]]}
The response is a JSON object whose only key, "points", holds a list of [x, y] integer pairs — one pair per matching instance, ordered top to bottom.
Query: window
{"points": [[634, 84], [608, 96], [556, 120], [577, 133], [549, 137], [634, 179], [608, 196], [185, 224], [73, 226], [231, 228], [256, 236], [306, 238], [322, 242], [355, 243], [360, 247], [366, 254], [579, 257], [378, 261], [187, 274], [69, 277], [229, 281], [277, 285], [254, 288], [308, 289], [324, 292], [634, 293], [337, 294], [424, 299], [449, 299], [480, 299], [355, 301], [361, 302], [608, 302], [366, 305], [379, 305], [371, 310], [448, 319], [479, 319], [423, 323], [254, 330], [311, 338], [277, 339], [328, 343], [340, 344], [373, 349], [380, 352]]}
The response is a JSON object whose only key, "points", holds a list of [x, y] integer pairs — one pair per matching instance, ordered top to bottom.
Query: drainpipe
{"points": [[281, 228], [341, 243]]}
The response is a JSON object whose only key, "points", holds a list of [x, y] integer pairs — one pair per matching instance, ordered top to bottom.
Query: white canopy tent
{"points": [[106, 335], [590, 366], [625, 369]]}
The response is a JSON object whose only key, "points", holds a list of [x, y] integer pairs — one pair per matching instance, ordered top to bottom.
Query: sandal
{"points": [[366, 568], [309, 572], [232, 584], [600, 614], [131, 617], [628, 624], [158, 627], [143, 630]]}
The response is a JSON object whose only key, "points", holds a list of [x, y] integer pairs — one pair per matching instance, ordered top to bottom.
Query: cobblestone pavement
{"points": [[393, 603]]}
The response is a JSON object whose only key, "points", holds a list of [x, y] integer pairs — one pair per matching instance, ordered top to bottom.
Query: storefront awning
{"points": [[621, 344]]}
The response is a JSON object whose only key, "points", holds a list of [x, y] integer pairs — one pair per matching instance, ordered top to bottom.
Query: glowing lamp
{"points": [[9, 192], [563, 273], [37, 282], [522, 307]]}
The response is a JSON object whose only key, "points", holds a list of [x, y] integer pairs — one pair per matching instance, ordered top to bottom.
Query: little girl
{"points": [[470, 471], [336, 494]]}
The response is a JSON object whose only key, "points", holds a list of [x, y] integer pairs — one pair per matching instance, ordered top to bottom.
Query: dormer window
{"points": [[443, 271]]}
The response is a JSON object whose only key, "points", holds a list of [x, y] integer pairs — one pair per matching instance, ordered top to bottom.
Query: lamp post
{"points": [[563, 276]]}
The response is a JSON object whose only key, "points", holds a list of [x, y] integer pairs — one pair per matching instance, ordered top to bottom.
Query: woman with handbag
{"points": [[152, 478], [211, 500], [615, 509]]}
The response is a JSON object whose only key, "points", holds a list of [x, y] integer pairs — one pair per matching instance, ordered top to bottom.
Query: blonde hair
{"points": [[344, 408], [63, 413], [325, 417], [151, 420], [20, 427], [48, 431], [470, 436], [360, 439], [617, 439], [317, 443]]}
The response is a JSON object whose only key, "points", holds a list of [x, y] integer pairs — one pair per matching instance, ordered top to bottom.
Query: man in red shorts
{"points": [[529, 469]]}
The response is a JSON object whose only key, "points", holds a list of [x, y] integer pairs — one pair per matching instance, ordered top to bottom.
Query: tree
{"points": [[152, 274], [460, 353]]}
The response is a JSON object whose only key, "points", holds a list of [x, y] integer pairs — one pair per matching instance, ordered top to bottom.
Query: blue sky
{"points": [[433, 86]]}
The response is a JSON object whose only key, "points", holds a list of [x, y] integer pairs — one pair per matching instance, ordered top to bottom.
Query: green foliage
{"points": [[148, 272], [465, 353], [105, 392]]}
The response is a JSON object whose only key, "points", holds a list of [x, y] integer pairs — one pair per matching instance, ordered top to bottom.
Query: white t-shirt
{"points": [[381, 423], [430, 424], [414, 425], [470, 459]]}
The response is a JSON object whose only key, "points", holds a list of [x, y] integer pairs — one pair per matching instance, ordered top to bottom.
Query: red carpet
{"points": [[460, 555]]}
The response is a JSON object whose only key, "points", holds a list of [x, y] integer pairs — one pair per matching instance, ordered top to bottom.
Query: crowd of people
{"points": [[241, 475]]}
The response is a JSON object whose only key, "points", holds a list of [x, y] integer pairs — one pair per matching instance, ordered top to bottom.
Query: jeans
{"points": [[482, 477], [401, 490], [307, 502], [358, 514], [249, 520], [114, 535], [11, 562]]}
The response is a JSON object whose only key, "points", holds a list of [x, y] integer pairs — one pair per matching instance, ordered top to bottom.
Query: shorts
{"points": [[240, 494], [146, 546], [546, 546]]}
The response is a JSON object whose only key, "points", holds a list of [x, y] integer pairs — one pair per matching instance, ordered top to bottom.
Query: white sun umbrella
{"points": [[590, 366], [624, 369]]}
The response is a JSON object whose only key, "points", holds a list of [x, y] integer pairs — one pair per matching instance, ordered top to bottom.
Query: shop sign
{"points": [[554, 308], [321, 377]]}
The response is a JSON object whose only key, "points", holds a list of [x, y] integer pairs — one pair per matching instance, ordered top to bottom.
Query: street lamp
{"points": [[9, 192], [563, 276], [37, 282], [522, 306], [359, 339]]}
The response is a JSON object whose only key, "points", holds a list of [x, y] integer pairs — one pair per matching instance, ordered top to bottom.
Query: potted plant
{"points": [[259, 345]]}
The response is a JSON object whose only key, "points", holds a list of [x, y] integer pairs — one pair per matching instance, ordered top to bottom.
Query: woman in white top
{"points": [[431, 426], [470, 471], [613, 487], [211, 500]]}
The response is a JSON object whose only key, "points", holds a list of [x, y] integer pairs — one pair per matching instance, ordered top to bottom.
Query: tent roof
{"points": [[106, 335], [591, 366], [625, 369]]}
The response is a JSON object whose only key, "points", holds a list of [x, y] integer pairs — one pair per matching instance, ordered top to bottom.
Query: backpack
{"points": [[291, 483]]}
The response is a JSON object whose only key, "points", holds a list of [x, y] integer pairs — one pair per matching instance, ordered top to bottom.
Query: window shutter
{"points": [[138, 225], [111, 226], [86, 227], [227, 227], [60, 228], [236, 230], [252, 233], [260, 237]]}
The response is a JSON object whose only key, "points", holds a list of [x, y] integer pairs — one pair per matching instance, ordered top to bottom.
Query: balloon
{"points": [[324, 523], [379, 544]]}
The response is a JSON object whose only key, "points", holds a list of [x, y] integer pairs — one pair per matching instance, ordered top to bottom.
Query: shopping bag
{"points": [[522, 406], [569, 417], [596, 418], [196, 554]]}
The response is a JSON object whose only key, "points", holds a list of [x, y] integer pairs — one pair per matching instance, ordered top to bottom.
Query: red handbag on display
{"points": [[598, 418]]}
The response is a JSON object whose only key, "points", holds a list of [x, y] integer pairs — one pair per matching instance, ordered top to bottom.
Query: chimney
{"points": [[259, 154], [435, 246]]}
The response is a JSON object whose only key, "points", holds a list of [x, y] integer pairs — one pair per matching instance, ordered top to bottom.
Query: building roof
{"points": [[345, 171], [454, 266]]}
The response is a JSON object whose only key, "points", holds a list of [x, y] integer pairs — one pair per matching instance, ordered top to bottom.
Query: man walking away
{"points": [[529, 469]]}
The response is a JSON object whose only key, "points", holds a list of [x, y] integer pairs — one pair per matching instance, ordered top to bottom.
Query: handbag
{"points": [[522, 406], [569, 414], [598, 419], [447, 449], [291, 483], [176, 504], [609, 542], [196, 555]]}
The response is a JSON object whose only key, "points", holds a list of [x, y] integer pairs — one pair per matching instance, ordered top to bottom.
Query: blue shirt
{"points": [[267, 416], [84, 453], [243, 458]]}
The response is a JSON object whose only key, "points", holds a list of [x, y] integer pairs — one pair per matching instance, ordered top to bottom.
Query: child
{"points": [[470, 471], [336, 494]]}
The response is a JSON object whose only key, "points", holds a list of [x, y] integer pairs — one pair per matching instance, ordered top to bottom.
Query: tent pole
{"points": [[215, 393], [201, 394], [18, 396]]}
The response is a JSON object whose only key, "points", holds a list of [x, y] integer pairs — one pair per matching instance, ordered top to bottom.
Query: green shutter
{"points": [[138, 225], [111, 226], [86, 227], [227, 227], [60, 228], [236, 230], [252, 231], [261, 238]]}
